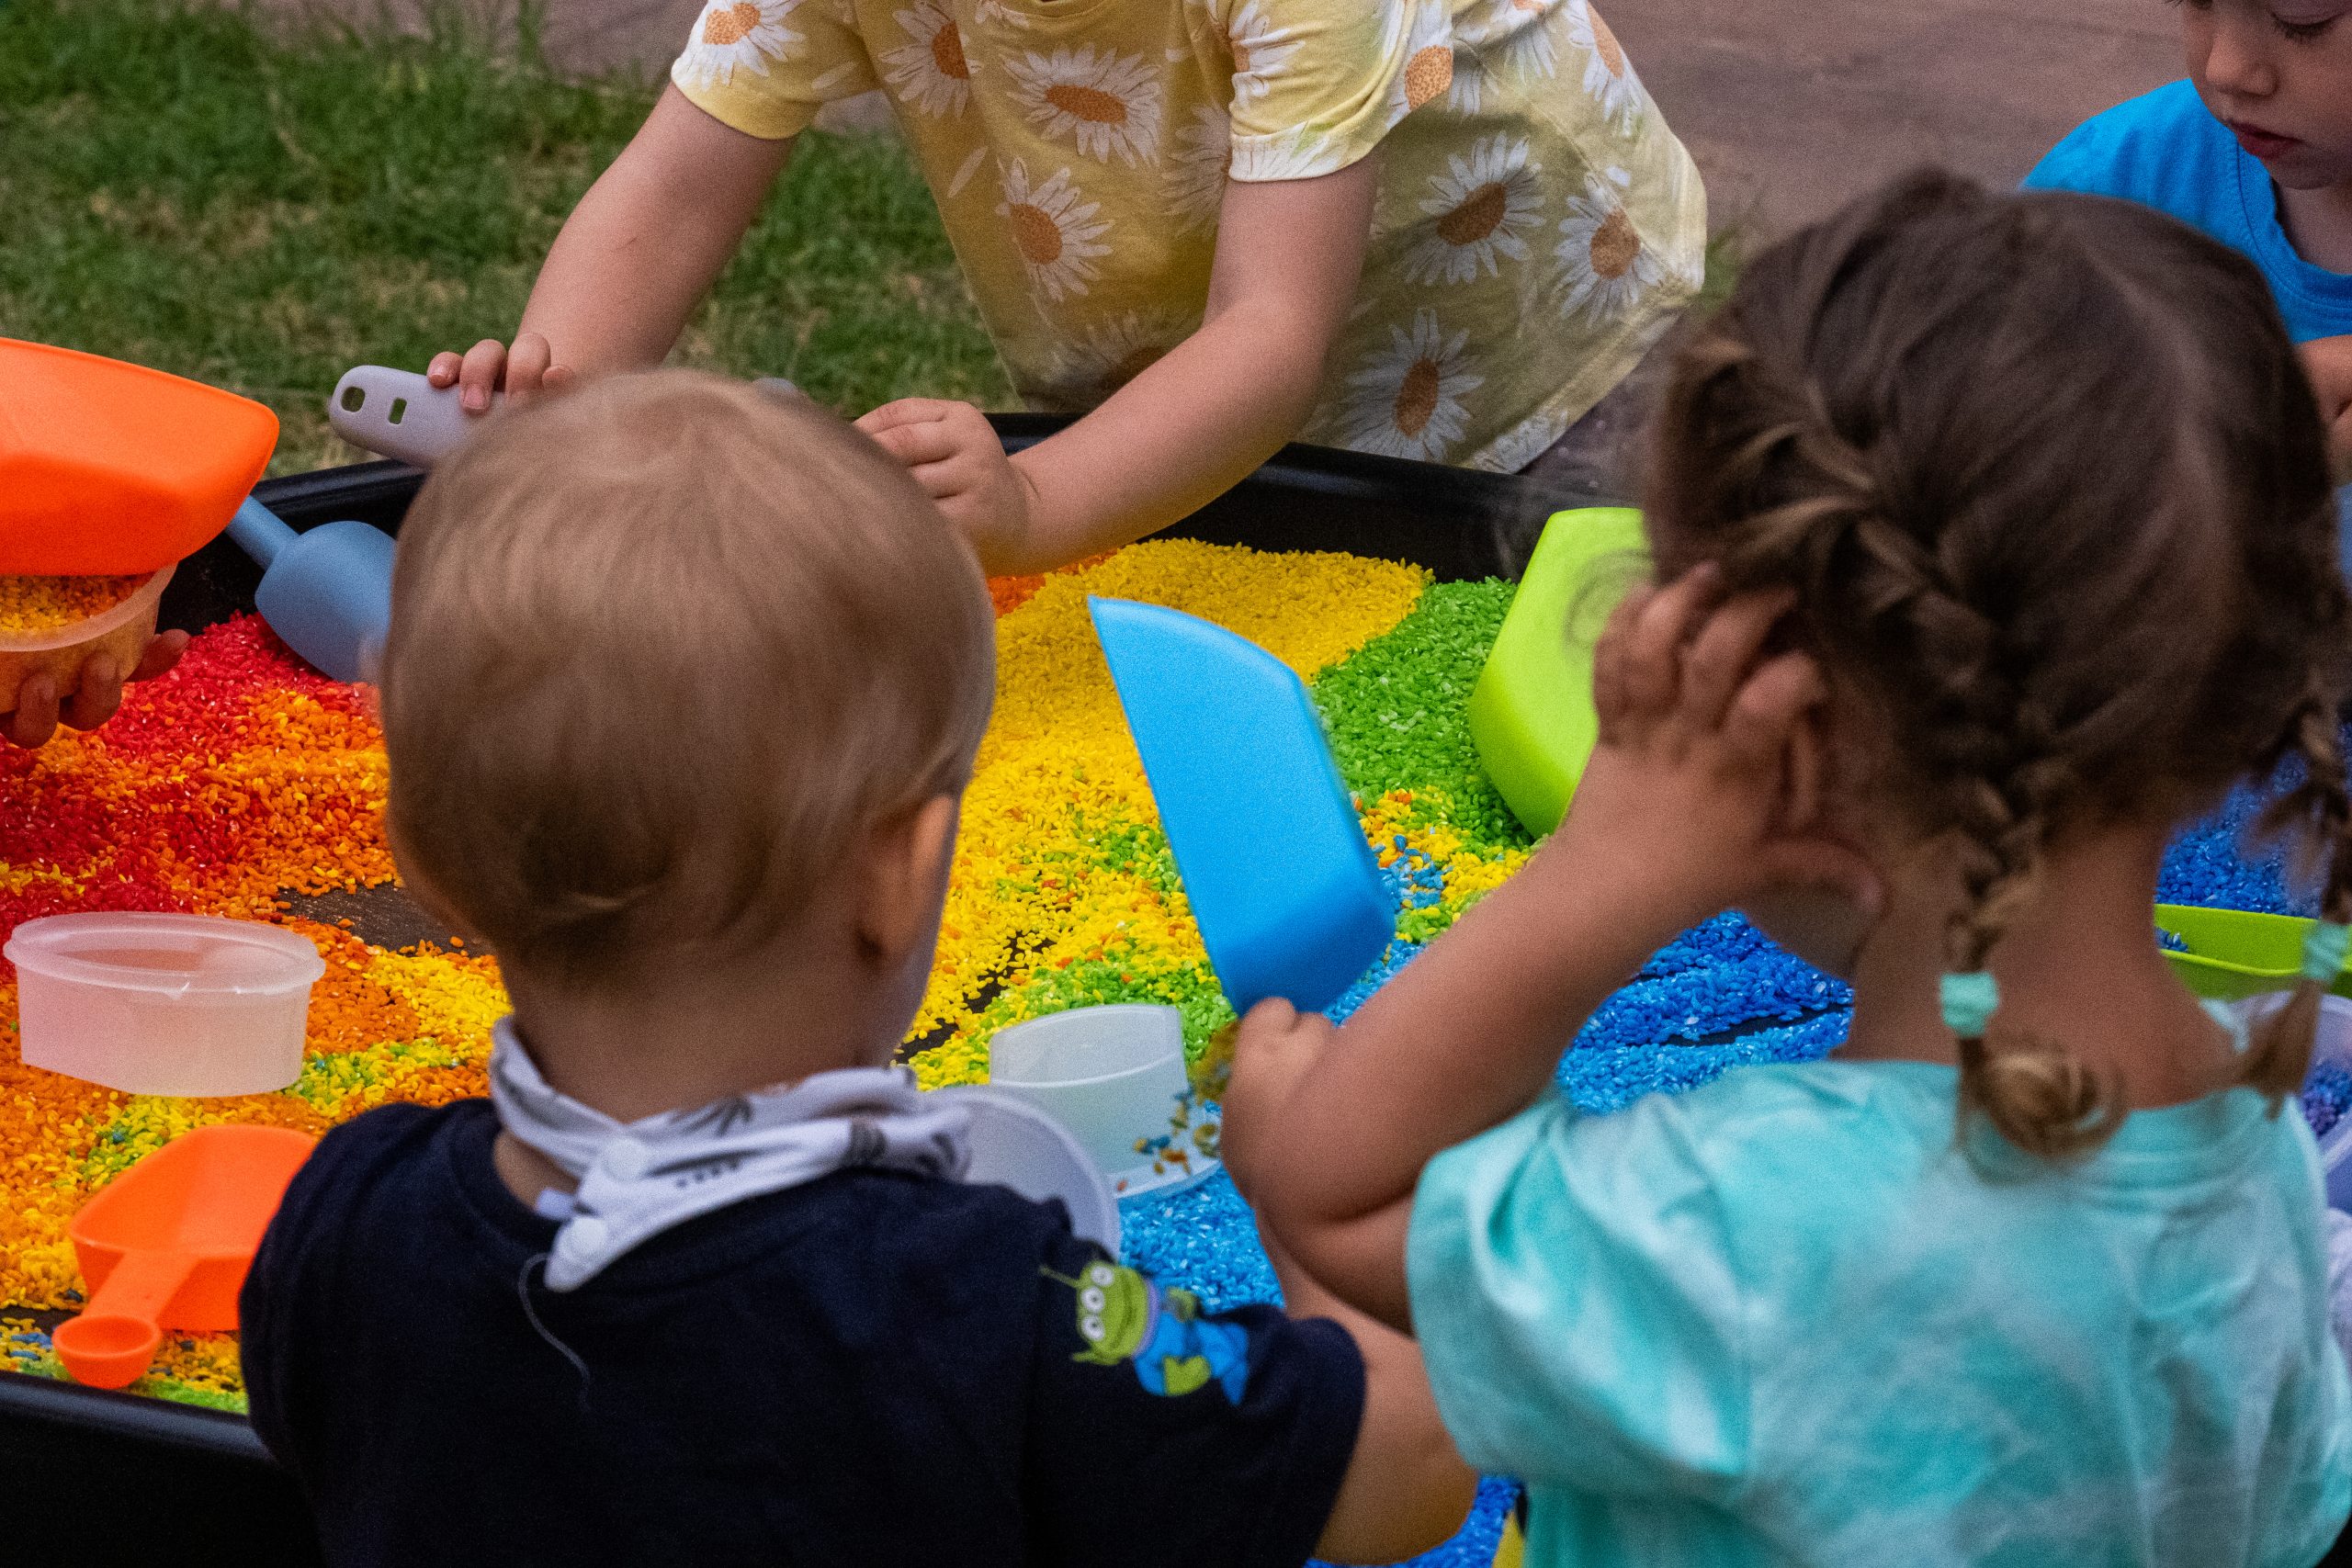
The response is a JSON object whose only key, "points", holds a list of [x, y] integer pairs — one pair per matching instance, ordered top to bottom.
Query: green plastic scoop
{"points": [[1531, 714], [2238, 952]]}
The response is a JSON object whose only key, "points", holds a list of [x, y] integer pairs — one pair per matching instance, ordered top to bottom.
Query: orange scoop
{"points": [[108, 470], [167, 1246]]}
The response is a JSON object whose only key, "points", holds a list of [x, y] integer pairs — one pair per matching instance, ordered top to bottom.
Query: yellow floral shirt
{"points": [[1537, 225]]}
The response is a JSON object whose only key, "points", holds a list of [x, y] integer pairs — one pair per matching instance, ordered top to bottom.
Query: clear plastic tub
{"points": [[121, 631], [164, 1004], [2332, 1046], [1115, 1078], [1016, 1145]]}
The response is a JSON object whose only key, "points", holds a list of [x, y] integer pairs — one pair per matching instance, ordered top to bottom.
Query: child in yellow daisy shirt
{"points": [[1174, 222]]}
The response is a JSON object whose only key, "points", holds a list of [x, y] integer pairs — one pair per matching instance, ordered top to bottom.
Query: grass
{"points": [[262, 205]]}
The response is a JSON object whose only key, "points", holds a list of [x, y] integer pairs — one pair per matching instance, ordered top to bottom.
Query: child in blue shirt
{"points": [[2255, 149], [1991, 543], [701, 1281]]}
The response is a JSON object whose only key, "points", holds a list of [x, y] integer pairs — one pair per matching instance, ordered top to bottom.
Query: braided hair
{"points": [[2053, 496]]}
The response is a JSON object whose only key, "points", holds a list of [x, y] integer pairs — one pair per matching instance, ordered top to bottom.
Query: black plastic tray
{"points": [[100, 1477]]}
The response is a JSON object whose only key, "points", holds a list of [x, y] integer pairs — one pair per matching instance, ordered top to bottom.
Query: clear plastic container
{"points": [[121, 631], [164, 1004], [2332, 1046], [1115, 1078], [1016, 1145]]}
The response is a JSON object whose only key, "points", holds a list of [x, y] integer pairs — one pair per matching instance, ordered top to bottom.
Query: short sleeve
{"points": [[764, 67], [1317, 83], [2085, 162], [1577, 1307], [1212, 1437]]}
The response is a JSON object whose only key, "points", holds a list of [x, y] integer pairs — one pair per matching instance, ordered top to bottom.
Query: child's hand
{"points": [[2328, 362], [488, 367], [953, 454], [97, 692], [1705, 786], [1274, 1047]]}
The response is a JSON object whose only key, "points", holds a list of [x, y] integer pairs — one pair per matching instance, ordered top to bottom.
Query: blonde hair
{"points": [[2053, 496], [661, 653]]}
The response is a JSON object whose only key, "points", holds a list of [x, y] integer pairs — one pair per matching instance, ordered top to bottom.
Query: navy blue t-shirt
{"points": [[876, 1369]]}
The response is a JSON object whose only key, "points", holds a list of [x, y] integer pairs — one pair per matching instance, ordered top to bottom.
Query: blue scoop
{"points": [[327, 592], [1287, 894]]}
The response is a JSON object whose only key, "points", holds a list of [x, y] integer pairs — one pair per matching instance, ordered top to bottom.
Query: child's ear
{"points": [[907, 861], [426, 895]]}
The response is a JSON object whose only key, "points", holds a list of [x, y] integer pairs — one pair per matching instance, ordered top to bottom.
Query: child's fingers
{"points": [[526, 368], [443, 371], [478, 375], [906, 411], [917, 445], [164, 650], [1653, 650], [1725, 651], [97, 696], [1609, 696], [35, 719], [1758, 727]]}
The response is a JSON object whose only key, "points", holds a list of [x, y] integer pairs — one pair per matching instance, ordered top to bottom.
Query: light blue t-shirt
{"points": [[2165, 150], [1784, 1319]]}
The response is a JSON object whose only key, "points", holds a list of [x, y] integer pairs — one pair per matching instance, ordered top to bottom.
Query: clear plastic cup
{"points": [[164, 1004], [2331, 1045], [1113, 1075], [1016, 1145]]}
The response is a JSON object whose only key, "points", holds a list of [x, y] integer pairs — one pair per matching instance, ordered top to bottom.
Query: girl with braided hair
{"points": [[1992, 542]]}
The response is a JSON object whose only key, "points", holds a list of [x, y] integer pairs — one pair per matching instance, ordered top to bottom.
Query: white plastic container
{"points": [[164, 1004], [2332, 1043], [1115, 1078], [1016, 1145]]}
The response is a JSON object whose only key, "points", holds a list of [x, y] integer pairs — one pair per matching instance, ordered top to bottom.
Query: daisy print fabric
{"points": [[1537, 227]]}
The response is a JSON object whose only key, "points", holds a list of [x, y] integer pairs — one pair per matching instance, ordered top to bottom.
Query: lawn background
{"points": [[261, 203]]}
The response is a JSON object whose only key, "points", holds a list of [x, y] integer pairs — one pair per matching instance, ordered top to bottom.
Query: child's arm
{"points": [[634, 259], [2328, 362], [1186, 430], [1694, 796], [1406, 1490]]}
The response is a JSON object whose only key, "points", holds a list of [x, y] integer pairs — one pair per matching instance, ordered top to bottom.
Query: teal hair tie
{"points": [[2323, 950], [1969, 1002]]}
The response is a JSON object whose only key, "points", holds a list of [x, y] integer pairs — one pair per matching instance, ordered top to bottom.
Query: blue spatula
{"points": [[327, 592], [1288, 897]]}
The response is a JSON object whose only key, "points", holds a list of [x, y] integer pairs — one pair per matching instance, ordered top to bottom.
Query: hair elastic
{"points": [[2324, 947], [1969, 1002]]}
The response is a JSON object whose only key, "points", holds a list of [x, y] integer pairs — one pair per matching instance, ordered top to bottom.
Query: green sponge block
{"points": [[1531, 714]]}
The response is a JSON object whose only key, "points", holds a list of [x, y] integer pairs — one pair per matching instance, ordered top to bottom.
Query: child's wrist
{"points": [[1648, 898]]}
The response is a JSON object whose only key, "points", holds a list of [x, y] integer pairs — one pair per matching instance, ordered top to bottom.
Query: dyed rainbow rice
{"points": [[32, 605], [243, 775]]}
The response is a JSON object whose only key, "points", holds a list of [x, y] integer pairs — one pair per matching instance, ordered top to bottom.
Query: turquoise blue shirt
{"points": [[2165, 150], [1782, 1319]]}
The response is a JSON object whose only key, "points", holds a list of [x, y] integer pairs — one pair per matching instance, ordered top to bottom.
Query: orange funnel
{"points": [[108, 470], [167, 1246]]}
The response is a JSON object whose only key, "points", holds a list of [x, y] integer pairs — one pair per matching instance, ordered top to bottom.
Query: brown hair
{"points": [[2053, 494], [662, 651]]}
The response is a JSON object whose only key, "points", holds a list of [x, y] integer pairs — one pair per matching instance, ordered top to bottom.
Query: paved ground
{"points": [[1790, 105]]}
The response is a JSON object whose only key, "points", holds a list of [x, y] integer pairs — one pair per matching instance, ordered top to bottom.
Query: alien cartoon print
{"points": [[1123, 1316]]}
